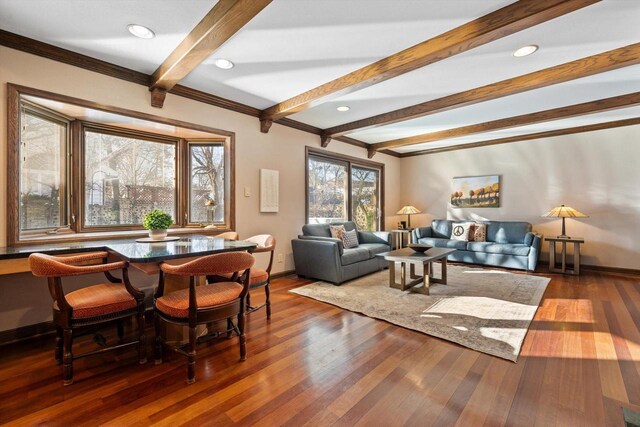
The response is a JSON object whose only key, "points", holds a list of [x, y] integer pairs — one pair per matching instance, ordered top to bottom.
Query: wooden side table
{"points": [[398, 237], [564, 268]]}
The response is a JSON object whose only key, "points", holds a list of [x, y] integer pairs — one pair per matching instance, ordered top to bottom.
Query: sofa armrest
{"points": [[421, 232], [374, 237], [530, 238], [535, 240], [337, 242], [318, 259]]}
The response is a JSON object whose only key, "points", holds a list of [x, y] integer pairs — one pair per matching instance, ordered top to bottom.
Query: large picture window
{"points": [[67, 175], [125, 177], [341, 188]]}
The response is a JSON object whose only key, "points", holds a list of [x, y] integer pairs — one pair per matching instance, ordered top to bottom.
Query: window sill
{"points": [[107, 235]]}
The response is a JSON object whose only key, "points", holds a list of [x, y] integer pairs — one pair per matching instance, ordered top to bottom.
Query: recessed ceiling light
{"points": [[141, 31], [525, 50], [225, 64], [343, 108]]}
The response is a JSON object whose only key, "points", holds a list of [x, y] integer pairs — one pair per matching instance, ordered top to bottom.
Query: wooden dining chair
{"points": [[228, 235], [260, 278], [204, 304], [89, 306]]}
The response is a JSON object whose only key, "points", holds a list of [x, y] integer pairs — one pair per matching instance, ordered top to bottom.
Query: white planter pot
{"points": [[158, 234]]}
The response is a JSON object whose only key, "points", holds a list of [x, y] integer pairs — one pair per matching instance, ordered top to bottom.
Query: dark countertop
{"points": [[132, 251]]}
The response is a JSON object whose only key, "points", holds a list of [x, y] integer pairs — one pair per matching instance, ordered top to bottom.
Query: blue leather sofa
{"points": [[509, 244], [316, 255]]}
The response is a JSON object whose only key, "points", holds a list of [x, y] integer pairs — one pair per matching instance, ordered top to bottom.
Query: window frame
{"points": [[60, 119], [350, 161], [74, 180], [186, 203]]}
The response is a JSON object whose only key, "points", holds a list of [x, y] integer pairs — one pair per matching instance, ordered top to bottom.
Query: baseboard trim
{"points": [[591, 267], [283, 274], [26, 332]]}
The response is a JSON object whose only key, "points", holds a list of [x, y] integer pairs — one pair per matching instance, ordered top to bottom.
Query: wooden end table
{"points": [[398, 237], [409, 256], [564, 268]]}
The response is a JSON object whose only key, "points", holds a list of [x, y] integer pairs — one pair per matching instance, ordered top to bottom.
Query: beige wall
{"points": [[595, 172], [25, 301]]}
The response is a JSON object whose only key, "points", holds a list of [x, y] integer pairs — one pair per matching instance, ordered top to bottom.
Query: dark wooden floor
{"points": [[315, 364]]}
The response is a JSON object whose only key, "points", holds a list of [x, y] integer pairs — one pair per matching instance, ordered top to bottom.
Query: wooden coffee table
{"points": [[409, 256]]}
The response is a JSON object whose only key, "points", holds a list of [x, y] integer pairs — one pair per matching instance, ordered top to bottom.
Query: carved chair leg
{"points": [[267, 293], [248, 300], [120, 328], [229, 328], [142, 338], [158, 339], [243, 344], [58, 350], [191, 355], [67, 358]]}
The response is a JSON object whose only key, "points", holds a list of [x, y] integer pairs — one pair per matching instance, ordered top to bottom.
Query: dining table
{"points": [[143, 256]]}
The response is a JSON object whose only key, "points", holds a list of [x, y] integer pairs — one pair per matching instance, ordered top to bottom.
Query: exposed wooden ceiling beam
{"points": [[222, 22], [493, 26], [600, 63], [575, 110], [527, 137]]}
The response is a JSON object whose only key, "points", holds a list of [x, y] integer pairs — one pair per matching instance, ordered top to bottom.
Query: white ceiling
{"points": [[295, 45]]}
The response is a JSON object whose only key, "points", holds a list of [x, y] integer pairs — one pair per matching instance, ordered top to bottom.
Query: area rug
{"points": [[486, 310]]}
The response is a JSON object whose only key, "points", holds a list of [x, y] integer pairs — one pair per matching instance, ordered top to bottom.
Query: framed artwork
{"points": [[269, 190], [476, 192]]}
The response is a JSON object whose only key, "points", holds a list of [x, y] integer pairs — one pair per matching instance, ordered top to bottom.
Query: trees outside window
{"points": [[340, 189]]}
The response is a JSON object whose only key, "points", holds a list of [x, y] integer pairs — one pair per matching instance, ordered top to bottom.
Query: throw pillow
{"points": [[337, 231], [472, 231], [460, 232], [480, 232], [350, 239]]}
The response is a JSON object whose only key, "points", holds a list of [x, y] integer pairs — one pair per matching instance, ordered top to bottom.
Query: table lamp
{"points": [[408, 210], [563, 212]]}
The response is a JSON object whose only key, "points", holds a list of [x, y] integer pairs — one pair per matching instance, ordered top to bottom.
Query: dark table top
{"points": [[132, 251], [409, 255]]}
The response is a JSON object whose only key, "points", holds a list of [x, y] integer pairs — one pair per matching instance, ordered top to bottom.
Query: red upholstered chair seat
{"points": [[258, 275], [99, 300], [176, 304]]}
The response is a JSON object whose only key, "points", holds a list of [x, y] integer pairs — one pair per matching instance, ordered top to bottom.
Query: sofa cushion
{"points": [[441, 228], [507, 231], [443, 243], [375, 248], [519, 249], [351, 256]]}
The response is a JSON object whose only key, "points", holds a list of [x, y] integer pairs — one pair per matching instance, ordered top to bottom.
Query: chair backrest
{"points": [[228, 235], [265, 242], [218, 264], [43, 265]]}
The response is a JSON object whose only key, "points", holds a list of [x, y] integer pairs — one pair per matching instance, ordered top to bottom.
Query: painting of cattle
{"points": [[476, 192]]}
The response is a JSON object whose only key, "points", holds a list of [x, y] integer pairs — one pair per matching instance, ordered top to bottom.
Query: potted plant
{"points": [[157, 222]]}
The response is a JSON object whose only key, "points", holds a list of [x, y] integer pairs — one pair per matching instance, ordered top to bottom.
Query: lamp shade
{"points": [[407, 210], [564, 212]]}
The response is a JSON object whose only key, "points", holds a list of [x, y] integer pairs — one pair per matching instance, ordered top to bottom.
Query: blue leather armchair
{"points": [[510, 244], [317, 255]]}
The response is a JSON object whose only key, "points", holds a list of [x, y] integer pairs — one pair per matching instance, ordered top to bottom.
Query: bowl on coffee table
{"points": [[419, 247]]}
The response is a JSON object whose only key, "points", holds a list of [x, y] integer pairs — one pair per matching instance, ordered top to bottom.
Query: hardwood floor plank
{"points": [[316, 364]]}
